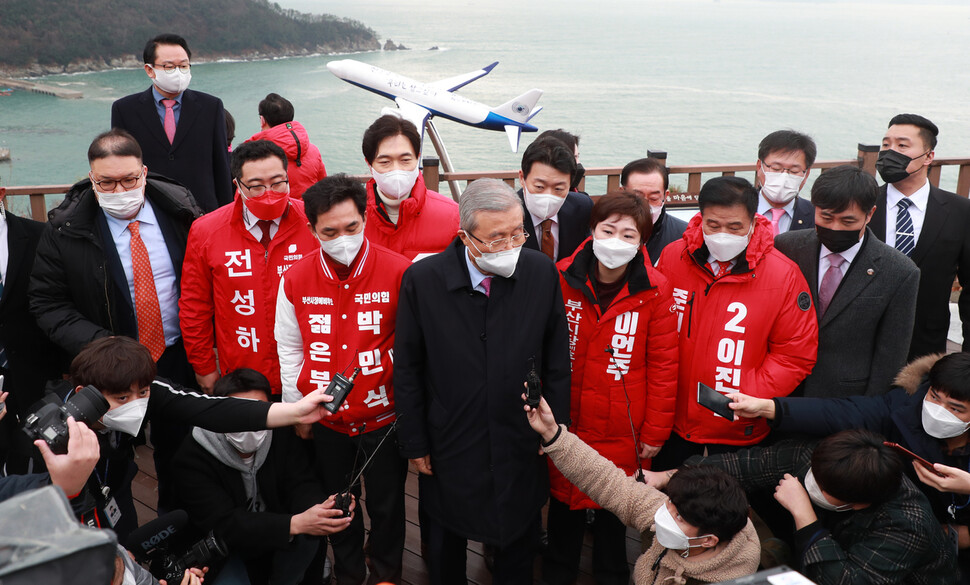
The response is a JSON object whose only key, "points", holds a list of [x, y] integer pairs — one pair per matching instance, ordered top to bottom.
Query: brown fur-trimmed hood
{"points": [[912, 375]]}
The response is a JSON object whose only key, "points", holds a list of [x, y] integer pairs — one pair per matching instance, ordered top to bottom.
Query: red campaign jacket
{"points": [[304, 163], [427, 223], [230, 280], [325, 325], [642, 330], [754, 330]]}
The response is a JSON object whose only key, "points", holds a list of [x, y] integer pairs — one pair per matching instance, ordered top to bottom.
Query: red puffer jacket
{"points": [[304, 163], [427, 223], [229, 286], [641, 328], [753, 331]]}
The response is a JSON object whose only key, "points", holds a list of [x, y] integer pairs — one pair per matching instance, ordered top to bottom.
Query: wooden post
{"points": [[868, 153], [430, 172], [934, 175], [963, 181], [612, 183], [694, 183], [38, 207]]}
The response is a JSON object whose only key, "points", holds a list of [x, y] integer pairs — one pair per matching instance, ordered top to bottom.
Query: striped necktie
{"points": [[905, 235]]}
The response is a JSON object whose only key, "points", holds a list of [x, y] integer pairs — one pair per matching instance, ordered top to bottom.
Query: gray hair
{"points": [[485, 195]]}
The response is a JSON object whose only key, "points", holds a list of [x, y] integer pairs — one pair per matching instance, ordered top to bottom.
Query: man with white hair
{"points": [[471, 323]]}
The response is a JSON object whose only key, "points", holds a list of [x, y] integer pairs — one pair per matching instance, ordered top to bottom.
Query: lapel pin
{"points": [[870, 272]]}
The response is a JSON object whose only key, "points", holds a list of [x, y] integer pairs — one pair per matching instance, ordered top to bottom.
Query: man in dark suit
{"points": [[182, 133], [785, 159], [648, 177], [558, 219], [927, 224], [109, 263], [864, 291], [471, 321], [27, 357]]}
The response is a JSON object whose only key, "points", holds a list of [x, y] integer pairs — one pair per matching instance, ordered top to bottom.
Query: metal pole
{"points": [[439, 147]]}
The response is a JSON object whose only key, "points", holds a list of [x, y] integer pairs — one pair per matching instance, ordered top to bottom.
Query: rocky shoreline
{"points": [[95, 64]]}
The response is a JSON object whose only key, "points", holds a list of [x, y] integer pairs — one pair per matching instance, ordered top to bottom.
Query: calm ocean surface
{"points": [[704, 80]]}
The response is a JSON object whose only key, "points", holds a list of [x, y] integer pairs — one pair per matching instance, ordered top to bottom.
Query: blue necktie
{"points": [[905, 236]]}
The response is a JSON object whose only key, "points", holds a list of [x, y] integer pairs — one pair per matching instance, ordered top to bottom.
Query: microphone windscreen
{"points": [[156, 532]]}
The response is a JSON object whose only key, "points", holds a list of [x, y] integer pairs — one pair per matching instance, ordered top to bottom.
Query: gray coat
{"points": [[864, 336]]}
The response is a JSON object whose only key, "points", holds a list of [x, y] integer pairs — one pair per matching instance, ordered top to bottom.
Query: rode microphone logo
{"points": [[157, 538]]}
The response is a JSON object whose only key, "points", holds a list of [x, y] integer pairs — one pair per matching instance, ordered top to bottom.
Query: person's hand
{"points": [[207, 381], [3, 399], [750, 407], [307, 410], [541, 419], [305, 432], [648, 451], [422, 464], [71, 470], [658, 479], [953, 480], [793, 497], [322, 519], [192, 576]]}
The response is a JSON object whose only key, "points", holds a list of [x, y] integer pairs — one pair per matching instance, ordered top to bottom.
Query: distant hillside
{"points": [[50, 36]]}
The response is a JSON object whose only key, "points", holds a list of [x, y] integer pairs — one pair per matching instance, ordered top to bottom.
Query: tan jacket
{"points": [[634, 504]]}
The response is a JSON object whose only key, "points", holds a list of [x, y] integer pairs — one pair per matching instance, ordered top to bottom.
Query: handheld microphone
{"points": [[533, 385], [629, 414], [156, 534]]}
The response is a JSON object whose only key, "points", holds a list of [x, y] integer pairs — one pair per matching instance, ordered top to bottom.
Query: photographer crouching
{"points": [[123, 371], [701, 526]]}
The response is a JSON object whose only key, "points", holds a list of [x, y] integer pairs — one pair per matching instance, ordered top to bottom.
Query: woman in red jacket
{"points": [[623, 347]]}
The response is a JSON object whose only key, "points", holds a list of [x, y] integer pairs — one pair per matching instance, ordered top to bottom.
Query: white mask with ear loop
{"points": [[127, 418], [818, 498], [670, 535]]}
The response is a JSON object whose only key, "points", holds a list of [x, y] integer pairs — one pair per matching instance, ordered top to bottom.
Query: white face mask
{"points": [[172, 81], [395, 184], [781, 187], [124, 205], [542, 205], [655, 212], [725, 247], [344, 249], [614, 252], [498, 263], [127, 418], [940, 423], [248, 441], [818, 498], [669, 534]]}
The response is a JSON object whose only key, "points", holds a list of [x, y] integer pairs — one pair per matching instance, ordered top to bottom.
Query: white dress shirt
{"points": [[917, 211], [4, 247], [162, 267], [476, 275]]}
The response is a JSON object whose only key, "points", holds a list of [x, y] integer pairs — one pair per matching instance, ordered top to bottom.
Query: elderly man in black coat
{"points": [[470, 322]]}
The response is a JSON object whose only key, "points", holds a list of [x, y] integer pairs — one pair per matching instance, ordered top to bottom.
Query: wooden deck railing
{"points": [[866, 159]]}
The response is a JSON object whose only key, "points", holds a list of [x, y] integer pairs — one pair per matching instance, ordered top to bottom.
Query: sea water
{"points": [[704, 80]]}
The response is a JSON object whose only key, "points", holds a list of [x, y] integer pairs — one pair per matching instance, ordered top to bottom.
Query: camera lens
{"points": [[87, 405]]}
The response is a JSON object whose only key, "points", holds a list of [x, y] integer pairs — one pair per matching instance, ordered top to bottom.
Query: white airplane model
{"points": [[418, 102]]}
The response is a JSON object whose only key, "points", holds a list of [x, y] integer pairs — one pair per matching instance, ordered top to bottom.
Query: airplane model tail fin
{"points": [[520, 109]]}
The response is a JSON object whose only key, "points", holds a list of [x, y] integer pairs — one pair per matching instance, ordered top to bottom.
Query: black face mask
{"points": [[892, 165], [578, 175], [837, 241]]}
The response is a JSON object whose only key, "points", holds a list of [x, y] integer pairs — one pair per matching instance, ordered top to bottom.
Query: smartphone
{"points": [[714, 401], [3, 405], [913, 456]]}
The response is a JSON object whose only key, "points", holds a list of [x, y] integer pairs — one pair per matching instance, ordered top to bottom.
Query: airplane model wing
{"points": [[459, 81], [412, 112]]}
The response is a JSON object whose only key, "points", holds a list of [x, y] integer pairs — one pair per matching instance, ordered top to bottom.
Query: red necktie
{"points": [[169, 120], [265, 224], [548, 243], [722, 269], [147, 311]]}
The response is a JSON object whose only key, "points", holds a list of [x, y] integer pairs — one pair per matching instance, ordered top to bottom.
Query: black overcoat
{"points": [[460, 360]]}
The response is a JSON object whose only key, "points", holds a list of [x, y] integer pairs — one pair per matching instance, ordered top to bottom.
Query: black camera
{"points": [[49, 422], [201, 554]]}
